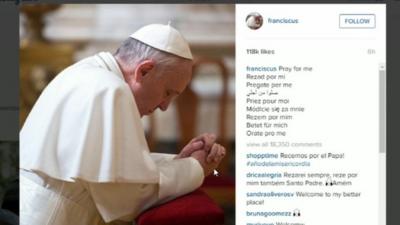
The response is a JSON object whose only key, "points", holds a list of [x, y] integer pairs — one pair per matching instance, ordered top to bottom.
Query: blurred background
{"points": [[53, 37]]}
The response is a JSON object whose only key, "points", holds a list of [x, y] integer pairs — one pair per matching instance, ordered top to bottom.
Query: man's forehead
{"points": [[184, 70], [178, 81]]}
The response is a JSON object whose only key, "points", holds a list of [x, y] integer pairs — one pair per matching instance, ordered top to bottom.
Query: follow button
{"points": [[357, 21]]}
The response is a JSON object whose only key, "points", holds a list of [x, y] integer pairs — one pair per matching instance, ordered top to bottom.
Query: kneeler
{"points": [[195, 208]]}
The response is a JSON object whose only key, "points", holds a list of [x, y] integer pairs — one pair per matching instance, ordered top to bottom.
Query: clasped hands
{"points": [[205, 150]]}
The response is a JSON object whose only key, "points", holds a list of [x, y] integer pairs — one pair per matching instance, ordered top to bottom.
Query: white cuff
{"points": [[161, 157], [179, 177]]}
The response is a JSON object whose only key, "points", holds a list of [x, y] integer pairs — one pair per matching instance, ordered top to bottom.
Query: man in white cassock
{"points": [[84, 158]]}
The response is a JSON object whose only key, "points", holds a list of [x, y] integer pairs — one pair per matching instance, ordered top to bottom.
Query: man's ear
{"points": [[143, 68]]}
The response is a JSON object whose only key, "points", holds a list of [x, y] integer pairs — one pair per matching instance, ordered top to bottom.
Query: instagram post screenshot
{"points": [[199, 112]]}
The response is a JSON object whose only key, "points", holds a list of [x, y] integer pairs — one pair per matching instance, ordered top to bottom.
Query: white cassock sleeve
{"points": [[124, 201]]}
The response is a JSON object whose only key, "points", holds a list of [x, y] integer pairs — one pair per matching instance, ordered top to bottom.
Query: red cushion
{"points": [[220, 181], [195, 208]]}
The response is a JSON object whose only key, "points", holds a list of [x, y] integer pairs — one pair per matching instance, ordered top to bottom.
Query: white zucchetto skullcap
{"points": [[164, 38]]}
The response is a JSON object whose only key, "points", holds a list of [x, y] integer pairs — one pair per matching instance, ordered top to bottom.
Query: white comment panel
{"points": [[310, 92]]}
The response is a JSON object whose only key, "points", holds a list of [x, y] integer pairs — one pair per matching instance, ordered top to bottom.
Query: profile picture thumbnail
{"points": [[254, 20]]}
